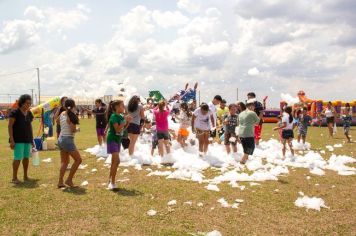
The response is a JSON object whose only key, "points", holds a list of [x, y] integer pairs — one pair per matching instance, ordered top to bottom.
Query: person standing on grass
{"points": [[212, 108], [136, 111], [99, 112], [259, 112], [58, 113], [161, 113], [330, 114], [347, 120], [68, 121], [247, 121], [304, 121], [230, 122], [117, 124], [201, 126], [287, 131], [21, 136]]}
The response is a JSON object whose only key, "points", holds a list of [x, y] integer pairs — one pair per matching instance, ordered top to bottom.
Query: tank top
{"points": [[329, 112], [136, 115], [65, 127]]}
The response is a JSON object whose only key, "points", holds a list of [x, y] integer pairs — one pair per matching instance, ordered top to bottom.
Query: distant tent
{"points": [[156, 96]]}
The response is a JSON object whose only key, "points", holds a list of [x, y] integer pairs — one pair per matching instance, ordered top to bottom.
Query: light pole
{"points": [[39, 85], [32, 95]]}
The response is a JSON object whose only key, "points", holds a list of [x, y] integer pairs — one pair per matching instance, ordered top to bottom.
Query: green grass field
{"points": [[39, 208]]}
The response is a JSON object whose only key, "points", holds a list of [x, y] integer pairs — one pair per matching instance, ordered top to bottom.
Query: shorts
{"points": [[330, 120], [134, 128], [346, 129], [100, 131], [258, 131], [183, 132], [200, 132], [303, 132], [287, 134], [163, 135], [227, 137], [66, 143], [154, 144], [248, 144], [113, 147], [22, 151]]}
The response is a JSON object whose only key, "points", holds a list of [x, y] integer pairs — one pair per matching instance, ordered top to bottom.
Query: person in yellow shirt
{"points": [[222, 111]]}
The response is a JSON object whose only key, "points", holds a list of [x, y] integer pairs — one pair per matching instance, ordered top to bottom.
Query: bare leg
{"points": [[330, 127], [299, 136], [348, 137], [304, 138], [100, 139], [133, 139], [206, 142], [201, 143], [168, 146], [291, 146], [160, 147], [234, 148], [284, 148], [228, 150], [244, 158], [77, 161], [115, 161], [25, 163], [64, 165], [15, 168]]}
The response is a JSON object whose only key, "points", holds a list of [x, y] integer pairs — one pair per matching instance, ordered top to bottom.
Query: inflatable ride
{"points": [[315, 108]]}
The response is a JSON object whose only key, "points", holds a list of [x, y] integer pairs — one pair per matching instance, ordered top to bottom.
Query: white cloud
{"points": [[191, 6], [169, 19], [18, 34], [253, 71]]}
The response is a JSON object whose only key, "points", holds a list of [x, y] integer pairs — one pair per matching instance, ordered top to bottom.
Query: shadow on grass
{"points": [[283, 181], [32, 183], [75, 190], [127, 192]]}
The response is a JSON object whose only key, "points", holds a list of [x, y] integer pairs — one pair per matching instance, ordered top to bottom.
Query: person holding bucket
{"points": [[21, 136]]}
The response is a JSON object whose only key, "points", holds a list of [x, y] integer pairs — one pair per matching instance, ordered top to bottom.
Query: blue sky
{"points": [[268, 46]]}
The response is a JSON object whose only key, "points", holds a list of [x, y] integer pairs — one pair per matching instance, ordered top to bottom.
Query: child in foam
{"points": [[100, 112], [161, 113], [202, 121], [247, 121], [304, 121], [230, 122], [184, 123], [117, 125], [287, 130]]}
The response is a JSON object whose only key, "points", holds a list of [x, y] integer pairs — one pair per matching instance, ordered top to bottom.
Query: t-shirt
{"points": [[258, 108], [222, 112], [136, 115], [100, 117], [161, 119], [285, 119], [184, 120], [347, 120], [201, 121], [247, 121], [304, 121], [232, 122], [22, 128], [112, 135]]}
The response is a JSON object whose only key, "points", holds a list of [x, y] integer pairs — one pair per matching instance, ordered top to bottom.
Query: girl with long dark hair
{"points": [[136, 111], [287, 130]]}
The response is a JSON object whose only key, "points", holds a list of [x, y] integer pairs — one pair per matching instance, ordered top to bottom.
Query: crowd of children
{"points": [[120, 126]]}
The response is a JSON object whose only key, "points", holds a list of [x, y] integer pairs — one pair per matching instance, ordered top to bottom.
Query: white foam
{"points": [[310, 203], [151, 212]]}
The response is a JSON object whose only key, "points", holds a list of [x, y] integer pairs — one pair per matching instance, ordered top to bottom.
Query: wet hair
{"points": [[251, 94], [218, 97], [23, 98], [223, 101], [100, 102], [133, 103], [330, 103], [69, 104], [347, 104], [161, 105], [242, 106], [112, 107], [204, 107], [185, 108], [288, 110]]}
